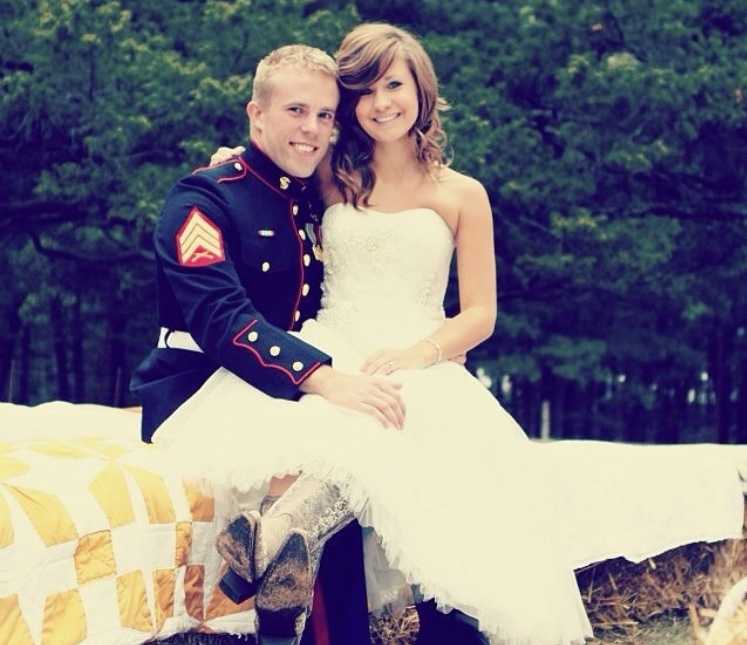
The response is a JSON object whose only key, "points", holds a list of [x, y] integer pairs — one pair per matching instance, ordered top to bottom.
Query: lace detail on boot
{"points": [[315, 507]]}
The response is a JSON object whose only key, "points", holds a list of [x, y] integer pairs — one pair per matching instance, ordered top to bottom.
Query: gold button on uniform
{"points": [[237, 165], [294, 210], [302, 234], [306, 259], [265, 267], [305, 289], [297, 316], [253, 335], [274, 350], [297, 366]]}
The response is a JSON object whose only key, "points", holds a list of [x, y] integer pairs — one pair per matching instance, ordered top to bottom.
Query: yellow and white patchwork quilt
{"points": [[99, 542]]}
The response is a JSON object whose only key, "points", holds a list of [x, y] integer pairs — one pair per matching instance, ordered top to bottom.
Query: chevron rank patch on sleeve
{"points": [[199, 242]]}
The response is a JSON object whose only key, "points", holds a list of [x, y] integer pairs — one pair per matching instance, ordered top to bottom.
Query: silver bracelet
{"points": [[439, 351]]}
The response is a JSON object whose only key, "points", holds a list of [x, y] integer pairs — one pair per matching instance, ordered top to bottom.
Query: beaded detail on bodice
{"points": [[385, 274]]}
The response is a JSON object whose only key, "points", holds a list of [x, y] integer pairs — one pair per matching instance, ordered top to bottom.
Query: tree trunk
{"points": [[57, 318], [117, 324], [7, 347], [24, 367], [79, 373], [721, 376], [556, 388], [589, 401], [671, 401], [516, 406], [741, 406], [526, 407], [535, 410], [575, 414], [635, 415], [679, 420]]}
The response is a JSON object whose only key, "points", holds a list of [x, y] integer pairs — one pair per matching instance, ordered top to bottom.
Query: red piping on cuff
{"points": [[310, 371], [296, 381]]}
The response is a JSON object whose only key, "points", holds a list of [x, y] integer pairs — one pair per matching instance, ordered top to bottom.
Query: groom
{"points": [[237, 255]]}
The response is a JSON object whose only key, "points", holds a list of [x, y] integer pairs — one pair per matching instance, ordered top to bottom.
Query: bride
{"points": [[464, 507]]}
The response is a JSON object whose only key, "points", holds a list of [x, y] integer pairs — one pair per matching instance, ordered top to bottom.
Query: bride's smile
{"points": [[388, 109]]}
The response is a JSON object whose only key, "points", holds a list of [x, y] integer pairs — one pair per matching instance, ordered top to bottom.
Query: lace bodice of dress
{"points": [[385, 274]]}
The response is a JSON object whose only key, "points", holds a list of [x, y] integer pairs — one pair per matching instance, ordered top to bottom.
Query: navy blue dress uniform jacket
{"points": [[236, 255]]}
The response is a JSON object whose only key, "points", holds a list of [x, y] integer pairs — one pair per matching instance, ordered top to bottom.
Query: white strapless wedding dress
{"points": [[462, 504]]}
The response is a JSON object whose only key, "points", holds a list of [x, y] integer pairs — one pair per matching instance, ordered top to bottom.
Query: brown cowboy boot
{"points": [[306, 516], [236, 545], [277, 555], [285, 594]]}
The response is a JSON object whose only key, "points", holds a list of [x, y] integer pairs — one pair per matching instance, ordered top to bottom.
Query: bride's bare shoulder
{"points": [[458, 180], [460, 187]]}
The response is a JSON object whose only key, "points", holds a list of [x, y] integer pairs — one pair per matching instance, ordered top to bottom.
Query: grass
{"points": [[662, 631]]}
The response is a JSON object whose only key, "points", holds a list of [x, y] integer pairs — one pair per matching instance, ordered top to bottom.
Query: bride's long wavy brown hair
{"points": [[365, 55]]}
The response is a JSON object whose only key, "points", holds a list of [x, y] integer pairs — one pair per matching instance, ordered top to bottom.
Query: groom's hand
{"points": [[373, 395]]}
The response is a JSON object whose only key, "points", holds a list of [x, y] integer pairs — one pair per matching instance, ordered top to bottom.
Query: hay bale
{"points": [[620, 596], [394, 629]]}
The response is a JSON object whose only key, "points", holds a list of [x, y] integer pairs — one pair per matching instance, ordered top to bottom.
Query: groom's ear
{"points": [[255, 113]]}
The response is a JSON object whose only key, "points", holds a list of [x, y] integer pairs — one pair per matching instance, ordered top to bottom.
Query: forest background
{"points": [[611, 136]]}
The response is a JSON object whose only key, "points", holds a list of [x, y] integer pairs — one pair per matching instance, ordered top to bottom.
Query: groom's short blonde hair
{"points": [[301, 57]]}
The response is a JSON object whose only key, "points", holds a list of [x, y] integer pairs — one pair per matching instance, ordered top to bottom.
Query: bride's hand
{"points": [[224, 153], [419, 356], [387, 361]]}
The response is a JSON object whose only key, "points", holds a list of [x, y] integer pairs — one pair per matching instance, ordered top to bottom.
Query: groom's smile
{"points": [[293, 125]]}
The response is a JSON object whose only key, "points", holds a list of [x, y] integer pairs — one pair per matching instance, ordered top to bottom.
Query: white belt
{"points": [[169, 339]]}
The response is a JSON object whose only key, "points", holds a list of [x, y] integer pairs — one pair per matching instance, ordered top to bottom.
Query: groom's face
{"points": [[293, 123]]}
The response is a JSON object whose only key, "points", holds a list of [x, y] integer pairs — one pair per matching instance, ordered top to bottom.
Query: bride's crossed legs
{"points": [[308, 506], [281, 550]]}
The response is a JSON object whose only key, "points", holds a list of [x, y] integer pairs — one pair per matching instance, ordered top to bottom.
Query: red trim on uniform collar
{"points": [[264, 168]]}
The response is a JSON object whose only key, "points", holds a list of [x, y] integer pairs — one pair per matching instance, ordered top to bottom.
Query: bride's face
{"points": [[388, 109]]}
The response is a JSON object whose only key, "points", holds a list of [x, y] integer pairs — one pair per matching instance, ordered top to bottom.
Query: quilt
{"points": [[99, 541]]}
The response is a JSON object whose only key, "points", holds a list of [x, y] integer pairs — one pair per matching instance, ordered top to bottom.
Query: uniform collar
{"points": [[280, 181]]}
